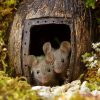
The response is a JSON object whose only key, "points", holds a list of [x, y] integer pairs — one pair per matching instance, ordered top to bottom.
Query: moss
{"points": [[7, 11], [16, 88]]}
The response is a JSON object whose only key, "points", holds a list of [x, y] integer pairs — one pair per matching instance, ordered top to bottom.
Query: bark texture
{"points": [[68, 9]]}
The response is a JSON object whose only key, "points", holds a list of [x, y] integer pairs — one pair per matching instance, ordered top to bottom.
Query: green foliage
{"points": [[9, 3], [90, 3], [95, 5], [7, 10], [98, 21], [96, 46], [3, 54], [89, 59], [92, 59], [92, 62], [93, 86], [16, 89]]}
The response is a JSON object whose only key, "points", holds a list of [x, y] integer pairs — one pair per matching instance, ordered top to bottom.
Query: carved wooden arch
{"points": [[26, 37]]}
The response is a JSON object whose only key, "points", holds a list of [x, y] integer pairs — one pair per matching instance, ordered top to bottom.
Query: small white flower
{"points": [[96, 46], [4, 49], [98, 49], [90, 59], [93, 64], [74, 88], [84, 88], [95, 92]]}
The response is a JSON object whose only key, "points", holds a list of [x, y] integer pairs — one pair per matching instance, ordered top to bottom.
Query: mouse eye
{"points": [[62, 60], [48, 70], [38, 72]]}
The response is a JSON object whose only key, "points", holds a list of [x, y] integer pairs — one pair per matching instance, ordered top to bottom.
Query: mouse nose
{"points": [[44, 79]]}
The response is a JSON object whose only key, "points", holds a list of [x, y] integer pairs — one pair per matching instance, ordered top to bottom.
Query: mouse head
{"points": [[59, 57], [42, 70]]}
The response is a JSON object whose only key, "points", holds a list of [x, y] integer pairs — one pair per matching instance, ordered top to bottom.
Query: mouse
{"points": [[60, 58], [43, 71]]}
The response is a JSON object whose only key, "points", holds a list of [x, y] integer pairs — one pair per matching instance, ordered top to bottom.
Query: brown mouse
{"points": [[60, 58], [43, 72]]}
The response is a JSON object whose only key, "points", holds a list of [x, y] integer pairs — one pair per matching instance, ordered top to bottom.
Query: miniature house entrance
{"points": [[38, 21], [37, 32]]}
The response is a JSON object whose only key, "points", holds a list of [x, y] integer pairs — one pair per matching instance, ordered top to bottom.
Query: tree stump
{"points": [[42, 14]]}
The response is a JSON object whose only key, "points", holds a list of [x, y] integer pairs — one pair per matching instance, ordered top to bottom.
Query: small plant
{"points": [[90, 3], [7, 10], [96, 46], [3, 51], [91, 59], [92, 62], [16, 88]]}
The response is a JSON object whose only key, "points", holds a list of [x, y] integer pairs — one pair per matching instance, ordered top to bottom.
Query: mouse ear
{"points": [[65, 46], [47, 47], [49, 58], [29, 60], [34, 61]]}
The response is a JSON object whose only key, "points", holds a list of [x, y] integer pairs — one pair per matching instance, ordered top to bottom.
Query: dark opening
{"points": [[54, 33]]}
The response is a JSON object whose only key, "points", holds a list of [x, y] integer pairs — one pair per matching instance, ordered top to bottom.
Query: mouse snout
{"points": [[44, 79]]}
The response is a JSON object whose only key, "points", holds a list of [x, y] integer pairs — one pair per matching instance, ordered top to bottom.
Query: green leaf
{"points": [[10, 2], [90, 3], [98, 20], [81, 76]]}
